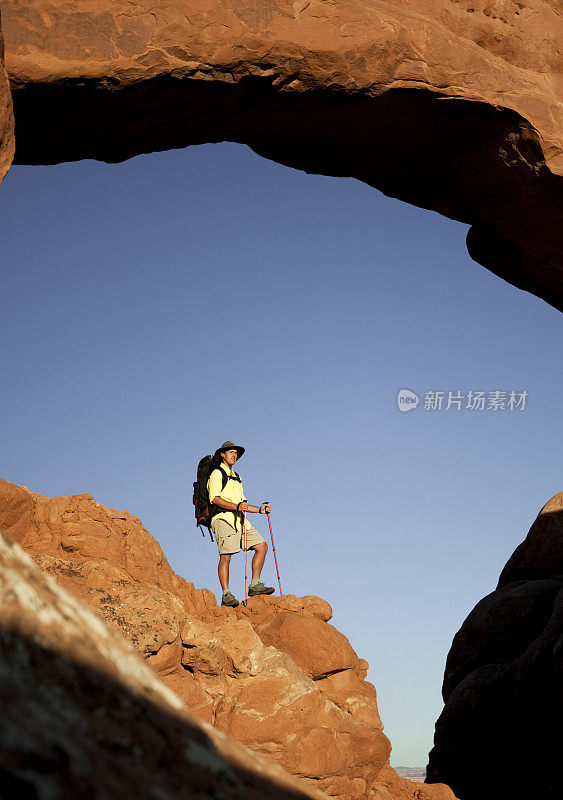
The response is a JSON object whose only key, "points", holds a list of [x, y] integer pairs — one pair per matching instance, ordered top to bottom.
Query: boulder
{"points": [[451, 106], [318, 648], [498, 735], [392, 787]]}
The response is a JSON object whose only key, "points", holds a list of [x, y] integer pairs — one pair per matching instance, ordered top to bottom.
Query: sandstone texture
{"points": [[454, 106], [7, 141], [275, 675], [83, 716], [500, 732], [390, 786]]}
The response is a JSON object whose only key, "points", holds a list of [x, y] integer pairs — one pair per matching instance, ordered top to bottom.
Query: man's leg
{"points": [[228, 542], [256, 542], [260, 551], [223, 571], [256, 587]]}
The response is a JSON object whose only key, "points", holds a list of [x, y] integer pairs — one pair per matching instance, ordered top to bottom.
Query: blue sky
{"points": [[155, 308]]}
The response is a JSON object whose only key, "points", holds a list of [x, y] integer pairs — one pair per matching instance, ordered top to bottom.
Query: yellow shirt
{"points": [[233, 492]]}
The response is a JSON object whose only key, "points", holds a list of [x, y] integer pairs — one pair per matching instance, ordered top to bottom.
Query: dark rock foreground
{"points": [[500, 732]]}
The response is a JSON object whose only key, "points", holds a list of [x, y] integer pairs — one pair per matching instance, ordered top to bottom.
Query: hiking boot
{"points": [[259, 588], [230, 600]]}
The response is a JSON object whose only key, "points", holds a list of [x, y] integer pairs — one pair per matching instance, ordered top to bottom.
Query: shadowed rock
{"points": [[451, 106], [499, 734]]}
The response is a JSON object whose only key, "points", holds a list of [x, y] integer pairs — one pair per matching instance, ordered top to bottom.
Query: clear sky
{"points": [[153, 309]]}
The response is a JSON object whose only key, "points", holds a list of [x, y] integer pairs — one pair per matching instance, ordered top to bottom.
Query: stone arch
{"points": [[453, 107]]}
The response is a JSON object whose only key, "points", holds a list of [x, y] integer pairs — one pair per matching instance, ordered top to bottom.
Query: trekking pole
{"points": [[274, 549], [245, 563]]}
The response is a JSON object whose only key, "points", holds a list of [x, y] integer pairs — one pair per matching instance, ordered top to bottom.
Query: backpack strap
{"points": [[226, 478], [208, 530]]}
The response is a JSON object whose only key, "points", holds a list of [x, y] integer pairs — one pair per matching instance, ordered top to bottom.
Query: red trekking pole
{"points": [[274, 549], [245, 563]]}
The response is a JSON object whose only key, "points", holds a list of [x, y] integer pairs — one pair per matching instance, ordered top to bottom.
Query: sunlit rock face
{"points": [[452, 105], [7, 141], [274, 675], [84, 716], [500, 732]]}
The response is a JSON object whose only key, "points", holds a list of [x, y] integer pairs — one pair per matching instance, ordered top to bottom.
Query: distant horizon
{"points": [[163, 305]]}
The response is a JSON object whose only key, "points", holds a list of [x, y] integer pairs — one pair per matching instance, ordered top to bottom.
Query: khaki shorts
{"points": [[230, 541]]}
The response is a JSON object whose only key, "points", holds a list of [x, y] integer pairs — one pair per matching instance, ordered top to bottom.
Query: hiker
{"points": [[228, 523]]}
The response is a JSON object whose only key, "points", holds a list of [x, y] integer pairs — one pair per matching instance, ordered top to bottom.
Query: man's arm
{"points": [[265, 508]]}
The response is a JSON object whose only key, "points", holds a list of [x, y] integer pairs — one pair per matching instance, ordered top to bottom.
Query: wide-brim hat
{"points": [[230, 446]]}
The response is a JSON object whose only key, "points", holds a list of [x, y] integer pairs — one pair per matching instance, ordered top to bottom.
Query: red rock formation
{"points": [[452, 105], [7, 142], [275, 675], [84, 716], [499, 734], [391, 787]]}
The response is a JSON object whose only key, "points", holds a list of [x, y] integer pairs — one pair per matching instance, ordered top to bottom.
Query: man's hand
{"points": [[245, 507], [265, 508]]}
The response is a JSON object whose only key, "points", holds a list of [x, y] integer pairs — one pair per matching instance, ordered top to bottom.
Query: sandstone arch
{"points": [[454, 106]]}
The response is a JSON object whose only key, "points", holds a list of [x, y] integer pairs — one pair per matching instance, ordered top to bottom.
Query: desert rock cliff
{"points": [[454, 106], [7, 141], [274, 675], [503, 679]]}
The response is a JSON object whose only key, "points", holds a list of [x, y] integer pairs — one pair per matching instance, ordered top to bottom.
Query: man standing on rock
{"points": [[227, 524]]}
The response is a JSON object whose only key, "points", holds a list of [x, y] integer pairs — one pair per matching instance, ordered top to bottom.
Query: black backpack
{"points": [[204, 510]]}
